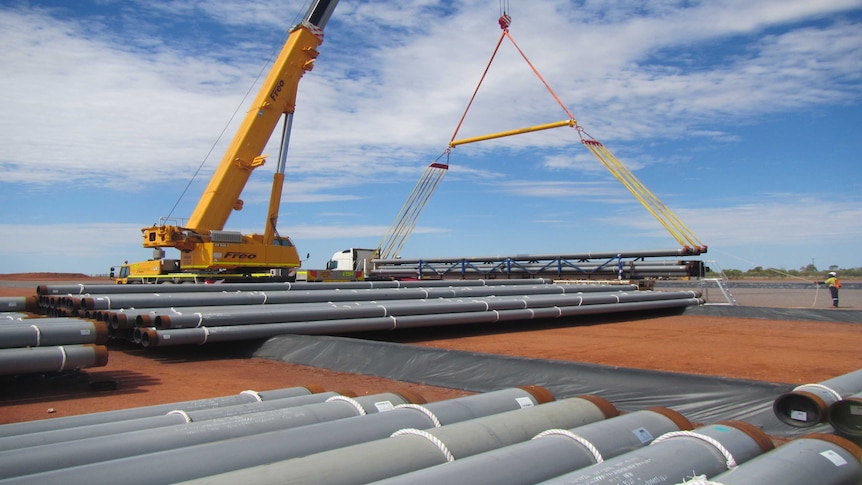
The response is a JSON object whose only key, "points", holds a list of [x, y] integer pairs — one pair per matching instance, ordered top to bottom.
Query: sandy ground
{"points": [[769, 350]]}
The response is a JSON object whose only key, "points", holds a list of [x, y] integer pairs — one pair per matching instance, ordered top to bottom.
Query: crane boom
{"points": [[276, 97], [202, 241]]}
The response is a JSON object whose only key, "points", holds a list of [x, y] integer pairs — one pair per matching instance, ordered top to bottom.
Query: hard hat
{"points": [[832, 273]]}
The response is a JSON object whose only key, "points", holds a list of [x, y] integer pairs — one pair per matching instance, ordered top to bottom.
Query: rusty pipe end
{"points": [[119, 321], [144, 321], [161, 322], [101, 329], [149, 337], [100, 352], [315, 389], [539, 393], [411, 397], [605, 406], [800, 409], [846, 417], [678, 419], [755, 433], [848, 445]]}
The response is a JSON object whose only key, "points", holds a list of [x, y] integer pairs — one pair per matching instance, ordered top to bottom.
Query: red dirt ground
{"points": [[795, 352]]}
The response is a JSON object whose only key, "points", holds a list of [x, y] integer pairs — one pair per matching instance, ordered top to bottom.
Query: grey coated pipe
{"points": [[59, 290], [108, 302], [18, 304], [283, 313], [37, 334], [151, 337], [32, 360], [807, 405], [174, 417], [846, 417], [66, 422], [413, 449], [553, 452], [55, 456], [674, 457], [820, 459], [171, 466]]}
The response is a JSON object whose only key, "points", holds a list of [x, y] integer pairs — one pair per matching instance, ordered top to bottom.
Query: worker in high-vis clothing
{"points": [[834, 285]]}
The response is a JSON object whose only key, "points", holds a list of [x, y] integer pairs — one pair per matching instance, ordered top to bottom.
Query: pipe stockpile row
{"points": [[206, 315], [47, 345], [837, 401], [509, 436]]}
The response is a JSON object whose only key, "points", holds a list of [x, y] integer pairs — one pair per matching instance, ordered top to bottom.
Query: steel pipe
{"points": [[58, 291], [108, 302], [19, 304], [238, 315], [52, 334], [202, 335], [32, 360], [806, 405], [176, 416], [846, 417], [14, 429], [411, 449], [552, 452], [55, 456], [673, 457], [816, 458], [172, 466]]}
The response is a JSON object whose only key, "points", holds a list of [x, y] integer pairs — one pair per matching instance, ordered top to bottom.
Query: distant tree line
{"points": [[808, 272]]}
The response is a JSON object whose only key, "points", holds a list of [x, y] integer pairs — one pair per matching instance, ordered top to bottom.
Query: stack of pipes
{"points": [[198, 314], [48, 345], [837, 401], [510, 436]]}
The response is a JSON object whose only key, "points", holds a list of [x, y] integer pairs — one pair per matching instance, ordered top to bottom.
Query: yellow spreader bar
{"points": [[529, 129]]}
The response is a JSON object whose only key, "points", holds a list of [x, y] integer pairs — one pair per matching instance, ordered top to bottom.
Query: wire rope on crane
{"points": [[406, 221]]}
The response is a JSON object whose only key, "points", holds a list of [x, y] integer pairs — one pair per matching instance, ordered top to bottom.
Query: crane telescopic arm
{"points": [[277, 96]]}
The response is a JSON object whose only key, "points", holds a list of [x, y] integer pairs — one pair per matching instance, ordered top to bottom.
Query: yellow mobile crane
{"points": [[206, 249]]}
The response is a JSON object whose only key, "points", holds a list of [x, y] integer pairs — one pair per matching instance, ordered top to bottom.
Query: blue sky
{"points": [[742, 117]]}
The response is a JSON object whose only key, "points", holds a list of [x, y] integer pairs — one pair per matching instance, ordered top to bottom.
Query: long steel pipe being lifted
{"points": [[636, 254], [176, 465]]}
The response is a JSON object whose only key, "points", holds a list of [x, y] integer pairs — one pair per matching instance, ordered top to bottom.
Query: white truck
{"points": [[353, 259], [352, 264]]}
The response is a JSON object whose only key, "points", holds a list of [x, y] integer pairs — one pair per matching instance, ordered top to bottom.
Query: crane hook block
{"points": [[505, 21]]}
